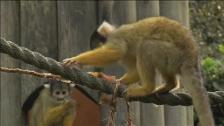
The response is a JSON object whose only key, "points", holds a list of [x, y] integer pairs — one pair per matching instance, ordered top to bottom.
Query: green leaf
{"points": [[221, 48], [210, 65]]}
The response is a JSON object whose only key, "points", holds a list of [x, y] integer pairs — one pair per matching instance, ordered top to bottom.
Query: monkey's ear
{"points": [[105, 29], [96, 40]]}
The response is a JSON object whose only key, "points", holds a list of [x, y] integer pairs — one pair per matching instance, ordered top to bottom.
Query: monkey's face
{"points": [[59, 90], [61, 93]]}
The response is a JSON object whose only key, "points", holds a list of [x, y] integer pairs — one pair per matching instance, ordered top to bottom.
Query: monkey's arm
{"points": [[99, 57], [130, 77], [55, 114], [70, 115], [68, 120]]}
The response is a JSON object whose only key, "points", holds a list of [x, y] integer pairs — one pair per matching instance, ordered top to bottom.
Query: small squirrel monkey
{"points": [[151, 44], [52, 107]]}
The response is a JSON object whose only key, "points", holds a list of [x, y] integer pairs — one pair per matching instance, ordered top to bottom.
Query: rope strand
{"points": [[84, 79]]}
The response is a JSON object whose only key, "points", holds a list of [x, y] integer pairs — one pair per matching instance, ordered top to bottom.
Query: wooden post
{"points": [[147, 9], [178, 10], [105, 12], [116, 12], [124, 12], [76, 22], [62, 29], [38, 33], [10, 86], [151, 115]]}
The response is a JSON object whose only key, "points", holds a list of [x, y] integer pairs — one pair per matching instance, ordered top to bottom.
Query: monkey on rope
{"points": [[150, 45], [50, 105]]}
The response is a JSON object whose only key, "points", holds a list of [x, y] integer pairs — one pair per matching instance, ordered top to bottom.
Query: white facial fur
{"points": [[105, 29], [47, 85], [72, 85]]}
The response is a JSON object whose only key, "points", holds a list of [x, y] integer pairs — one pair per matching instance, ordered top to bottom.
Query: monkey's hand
{"points": [[69, 61], [72, 62], [111, 79], [69, 104], [55, 114]]}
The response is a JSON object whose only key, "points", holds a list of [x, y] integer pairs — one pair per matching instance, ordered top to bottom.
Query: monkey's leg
{"points": [[98, 57], [103, 76], [130, 77], [147, 77], [171, 83]]}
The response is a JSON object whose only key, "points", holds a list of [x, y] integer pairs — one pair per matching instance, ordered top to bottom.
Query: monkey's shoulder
{"points": [[151, 27], [29, 102]]}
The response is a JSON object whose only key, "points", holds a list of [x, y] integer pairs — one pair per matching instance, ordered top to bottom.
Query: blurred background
{"points": [[61, 29]]}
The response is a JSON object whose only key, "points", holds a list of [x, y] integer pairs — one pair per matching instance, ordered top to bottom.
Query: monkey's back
{"points": [[159, 28], [162, 29], [165, 45]]}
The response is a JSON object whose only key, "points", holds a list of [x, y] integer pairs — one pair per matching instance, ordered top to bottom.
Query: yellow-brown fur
{"points": [[156, 43], [47, 111]]}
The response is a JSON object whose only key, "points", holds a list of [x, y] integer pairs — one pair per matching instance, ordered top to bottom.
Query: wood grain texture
{"points": [[147, 9], [178, 10], [105, 13], [117, 13], [76, 22], [62, 29], [38, 33], [10, 86], [151, 115]]}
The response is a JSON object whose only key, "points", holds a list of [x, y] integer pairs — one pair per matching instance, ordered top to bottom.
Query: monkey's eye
{"points": [[57, 92], [64, 92]]}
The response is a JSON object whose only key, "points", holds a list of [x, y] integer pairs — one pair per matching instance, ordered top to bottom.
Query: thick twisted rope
{"points": [[84, 79]]}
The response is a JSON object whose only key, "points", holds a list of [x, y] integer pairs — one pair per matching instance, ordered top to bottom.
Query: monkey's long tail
{"points": [[193, 82]]}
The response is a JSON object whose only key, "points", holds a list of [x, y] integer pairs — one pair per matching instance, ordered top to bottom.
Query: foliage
{"points": [[207, 24], [221, 48], [211, 67], [214, 71]]}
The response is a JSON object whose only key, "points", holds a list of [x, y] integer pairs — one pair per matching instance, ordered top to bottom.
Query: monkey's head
{"points": [[99, 36], [59, 90]]}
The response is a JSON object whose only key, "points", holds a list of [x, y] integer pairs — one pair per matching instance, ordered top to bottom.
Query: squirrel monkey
{"points": [[151, 44], [52, 107]]}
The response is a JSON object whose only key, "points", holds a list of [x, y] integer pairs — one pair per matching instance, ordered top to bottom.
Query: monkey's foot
{"points": [[101, 75], [163, 89], [134, 91]]}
